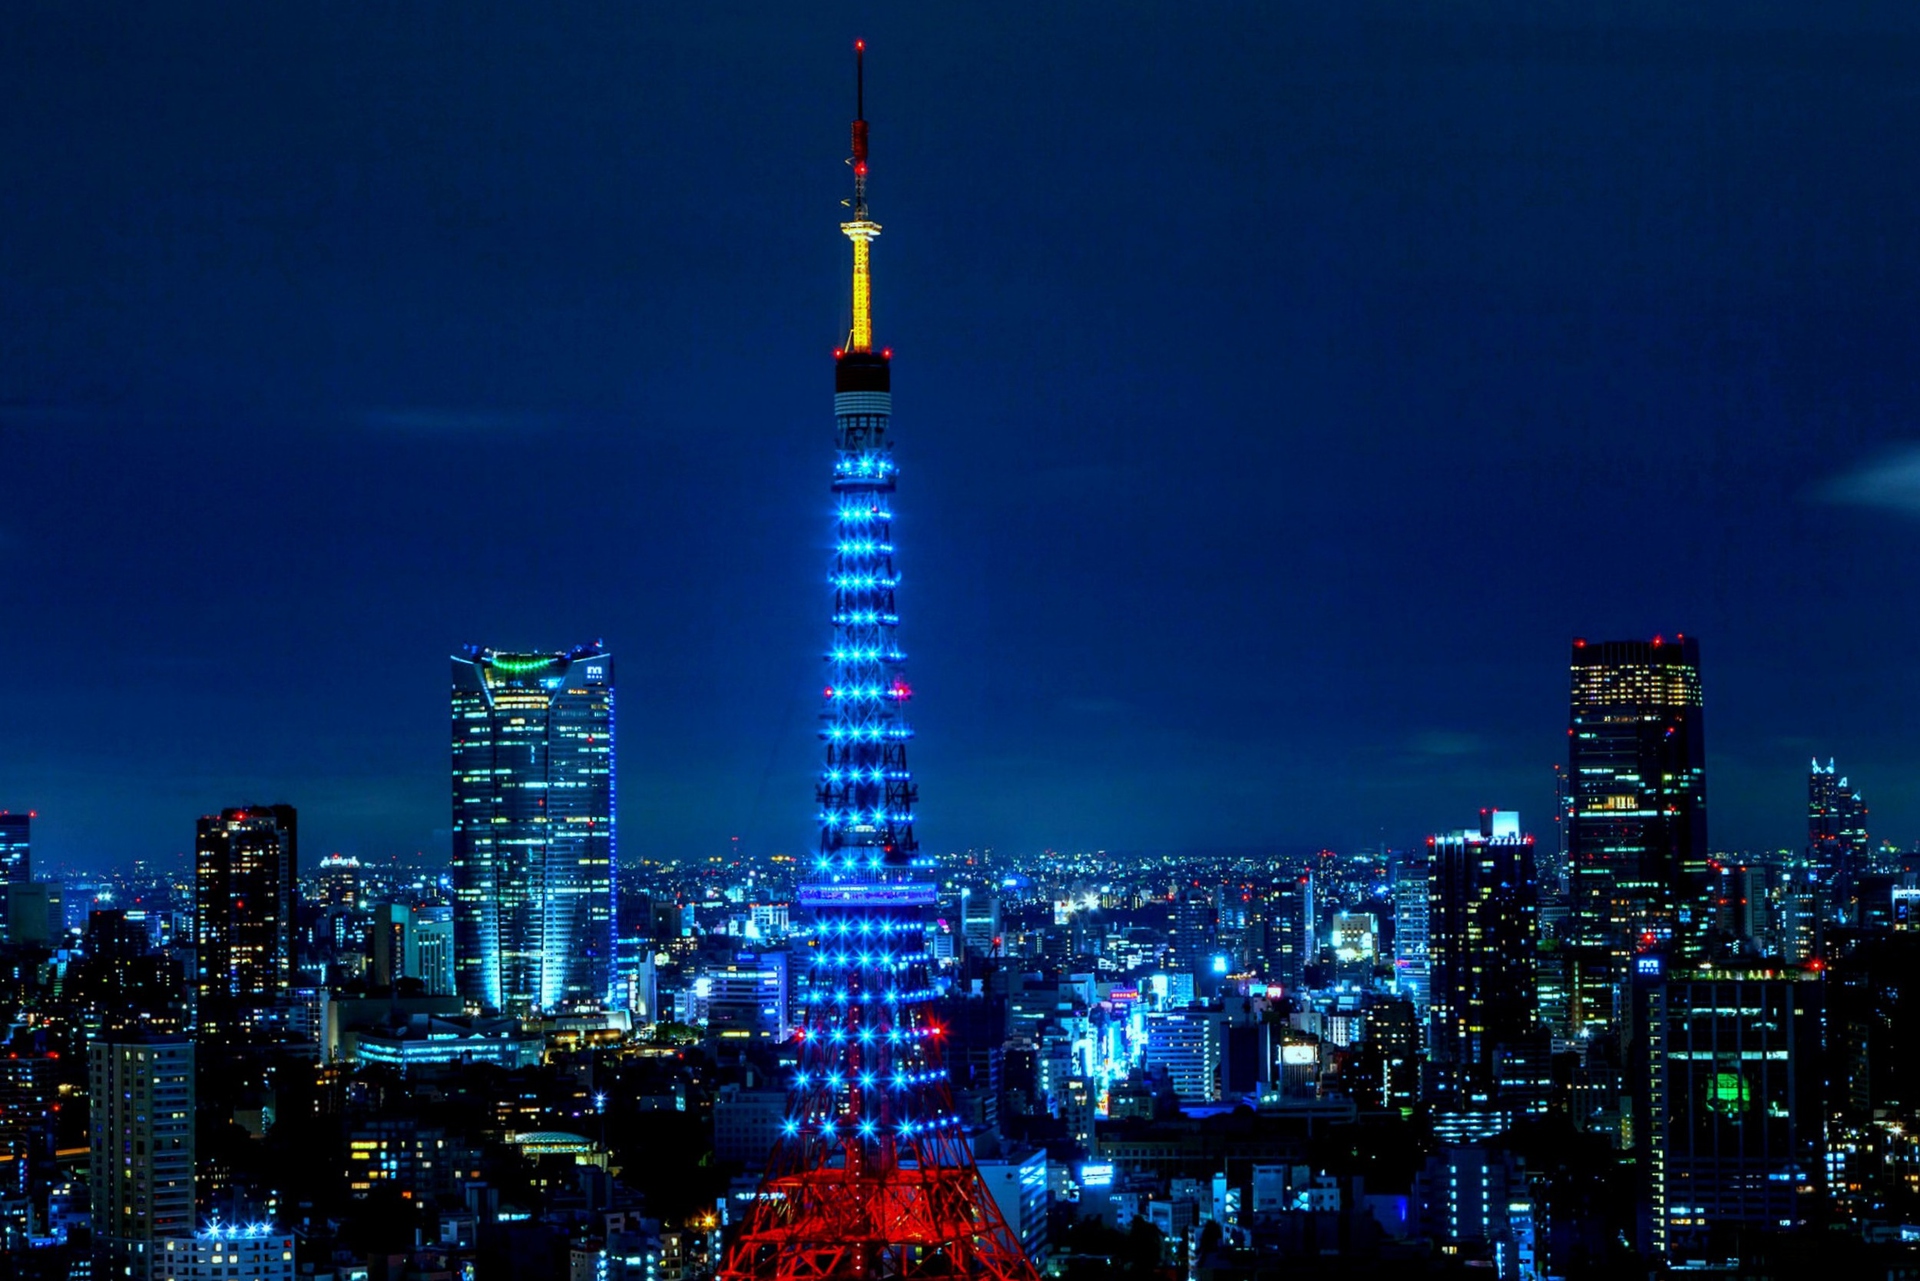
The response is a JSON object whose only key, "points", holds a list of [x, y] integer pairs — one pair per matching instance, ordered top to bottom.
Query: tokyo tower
{"points": [[873, 1177]]}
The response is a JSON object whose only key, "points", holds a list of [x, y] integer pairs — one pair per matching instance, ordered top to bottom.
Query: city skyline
{"points": [[1221, 612], [1217, 615]]}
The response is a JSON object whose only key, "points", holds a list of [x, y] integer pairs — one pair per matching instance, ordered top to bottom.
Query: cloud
{"points": [[461, 422], [1891, 482], [1445, 743]]}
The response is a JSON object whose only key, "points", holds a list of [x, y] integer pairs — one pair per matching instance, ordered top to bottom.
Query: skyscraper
{"points": [[1637, 810], [1836, 827], [533, 829], [16, 847], [245, 865], [1286, 912], [1193, 932], [1481, 938], [1412, 972], [140, 1159], [873, 1176]]}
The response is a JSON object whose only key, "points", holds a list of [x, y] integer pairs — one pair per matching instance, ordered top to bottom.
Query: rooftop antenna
{"points": [[862, 231]]}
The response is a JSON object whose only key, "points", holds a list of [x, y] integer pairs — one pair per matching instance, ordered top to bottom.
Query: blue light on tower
{"points": [[865, 791]]}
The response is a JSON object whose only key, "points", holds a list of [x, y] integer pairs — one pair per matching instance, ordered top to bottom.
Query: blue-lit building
{"points": [[533, 829], [16, 847], [1412, 975], [424, 1040], [1187, 1047], [1476, 1203], [256, 1251]]}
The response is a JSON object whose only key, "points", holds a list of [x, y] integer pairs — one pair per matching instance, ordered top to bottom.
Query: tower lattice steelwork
{"points": [[874, 1177]]}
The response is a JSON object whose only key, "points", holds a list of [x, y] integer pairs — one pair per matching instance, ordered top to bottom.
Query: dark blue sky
{"points": [[1278, 387]]}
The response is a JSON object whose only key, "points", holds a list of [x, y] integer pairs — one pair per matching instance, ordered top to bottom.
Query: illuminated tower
{"points": [[533, 813], [873, 1177]]}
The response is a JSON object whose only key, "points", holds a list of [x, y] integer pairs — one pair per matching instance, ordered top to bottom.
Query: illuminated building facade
{"points": [[1637, 811], [533, 829], [1837, 841], [16, 847], [245, 864], [1285, 918], [980, 922], [1193, 933], [1482, 934], [1412, 975], [746, 998], [1187, 1047], [1730, 1081], [140, 1159], [873, 1176], [245, 1252]]}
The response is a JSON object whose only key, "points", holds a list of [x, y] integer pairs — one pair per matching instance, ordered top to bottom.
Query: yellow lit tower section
{"points": [[862, 230]]}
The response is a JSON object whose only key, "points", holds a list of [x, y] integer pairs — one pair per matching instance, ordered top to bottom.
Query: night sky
{"points": [[1278, 389]]}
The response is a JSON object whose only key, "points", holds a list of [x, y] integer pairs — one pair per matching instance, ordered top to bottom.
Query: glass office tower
{"points": [[1637, 811], [1837, 841], [533, 846]]}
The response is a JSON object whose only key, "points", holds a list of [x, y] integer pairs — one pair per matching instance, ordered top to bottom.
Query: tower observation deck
{"points": [[874, 1175]]}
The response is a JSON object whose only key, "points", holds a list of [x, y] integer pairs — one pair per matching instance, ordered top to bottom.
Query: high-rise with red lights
{"points": [[1636, 813], [873, 1176]]}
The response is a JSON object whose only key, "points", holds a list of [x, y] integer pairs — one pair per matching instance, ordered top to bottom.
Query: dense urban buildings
{"points": [[533, 829], [850, 1052]]}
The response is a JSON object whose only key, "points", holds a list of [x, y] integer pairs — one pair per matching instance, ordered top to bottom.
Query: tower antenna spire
{"points": [[862, 230]]}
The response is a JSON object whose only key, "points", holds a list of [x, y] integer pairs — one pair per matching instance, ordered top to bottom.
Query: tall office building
{"points": [[1637, 812], [533, 829], [1837, 841], [16, 846], [245, 864], [1286, 913], [980, 922], [1193, 930], [1482, 932], [412, 943], [1412, 971], [746, 998], [1187, 1048], [1730, 1102], [140, 1158]]}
